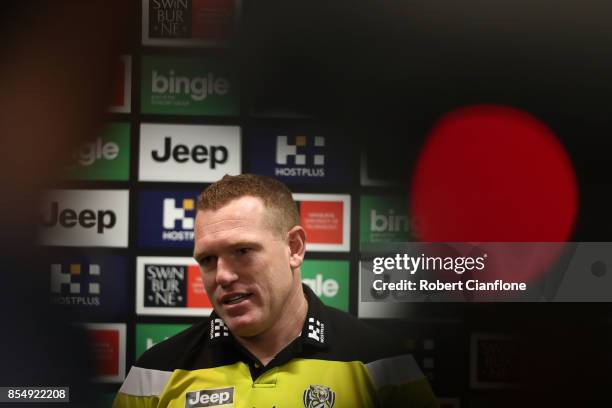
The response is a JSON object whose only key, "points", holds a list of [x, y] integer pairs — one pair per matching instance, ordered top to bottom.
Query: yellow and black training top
{"points": [[336, 362]]}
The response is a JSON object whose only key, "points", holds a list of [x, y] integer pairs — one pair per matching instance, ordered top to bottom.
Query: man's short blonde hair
{"points": [[279, 204]]}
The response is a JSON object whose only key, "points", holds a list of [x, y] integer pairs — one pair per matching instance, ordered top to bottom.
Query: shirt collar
{"points": [[315, 331]]}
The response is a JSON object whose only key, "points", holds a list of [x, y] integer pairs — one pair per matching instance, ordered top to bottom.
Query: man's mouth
{"points": [[233, 299]]}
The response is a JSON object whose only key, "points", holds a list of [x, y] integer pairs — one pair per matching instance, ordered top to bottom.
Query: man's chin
{"points": [[243, 326]]}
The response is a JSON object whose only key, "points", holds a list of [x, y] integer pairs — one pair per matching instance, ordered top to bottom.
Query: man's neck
{"points": [[267, 345]]}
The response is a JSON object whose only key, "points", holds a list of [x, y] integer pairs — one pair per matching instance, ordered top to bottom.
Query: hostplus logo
{"points": [[197, 88], [303, 158], [181, 215], [389, 222], [75, 284], [316, 330]]}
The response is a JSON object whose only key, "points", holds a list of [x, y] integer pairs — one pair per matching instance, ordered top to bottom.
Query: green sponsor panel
{"points": [[188, 86], [107, 157], [384, 219], [329, 280], [148, 335]]}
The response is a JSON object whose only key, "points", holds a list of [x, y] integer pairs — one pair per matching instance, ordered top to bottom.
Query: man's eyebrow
{"points": [[242, 243]]}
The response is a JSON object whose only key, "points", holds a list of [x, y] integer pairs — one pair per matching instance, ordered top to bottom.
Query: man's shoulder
{"points": [[353, 339], [176, 351]]}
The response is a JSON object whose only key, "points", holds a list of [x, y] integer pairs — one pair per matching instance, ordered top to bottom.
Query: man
{"points": [[270, 342]]}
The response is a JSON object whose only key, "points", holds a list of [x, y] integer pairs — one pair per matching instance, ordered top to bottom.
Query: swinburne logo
{"points": [[198, 88], [190, 153], [304, 156], [85, 218], [165, 285], [170, 286], [209, 398]]}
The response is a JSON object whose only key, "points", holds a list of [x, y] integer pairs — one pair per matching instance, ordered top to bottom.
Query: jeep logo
{"points": [[199, 153], [67, 218], [209, 398]]}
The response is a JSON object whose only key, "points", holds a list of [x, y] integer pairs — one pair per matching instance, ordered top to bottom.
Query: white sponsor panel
{"points": [[188, 153], [85, 218], [321, 221], [164, 290], [110, 361]]}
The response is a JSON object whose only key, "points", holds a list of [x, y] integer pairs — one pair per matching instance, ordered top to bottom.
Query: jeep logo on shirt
{"points": [[209, 398]]}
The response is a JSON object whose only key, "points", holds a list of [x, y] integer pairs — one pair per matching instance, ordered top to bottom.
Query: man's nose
{"points": [[225, 273]]}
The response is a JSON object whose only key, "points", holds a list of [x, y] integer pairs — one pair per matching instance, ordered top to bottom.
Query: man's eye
{"points": [[244, 251], [208, 261]]}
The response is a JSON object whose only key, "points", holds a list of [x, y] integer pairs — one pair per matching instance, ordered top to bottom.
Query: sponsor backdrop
{"points": [[120, 226]]}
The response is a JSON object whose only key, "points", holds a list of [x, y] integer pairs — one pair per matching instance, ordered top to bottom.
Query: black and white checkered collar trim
{"points": [[218, 330], [315, 331]]}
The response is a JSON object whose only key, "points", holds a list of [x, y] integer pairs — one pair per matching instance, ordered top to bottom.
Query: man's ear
{"points": [[297, 246]]}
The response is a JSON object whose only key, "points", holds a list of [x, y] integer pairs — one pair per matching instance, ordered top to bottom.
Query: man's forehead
{"points": [[237, 209], [245, 213]]}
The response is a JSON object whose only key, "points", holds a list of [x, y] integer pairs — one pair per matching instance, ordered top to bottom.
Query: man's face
{"points": [[245, 265]]}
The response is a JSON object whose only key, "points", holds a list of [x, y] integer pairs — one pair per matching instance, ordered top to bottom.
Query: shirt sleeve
{"points": [[142, 388]]}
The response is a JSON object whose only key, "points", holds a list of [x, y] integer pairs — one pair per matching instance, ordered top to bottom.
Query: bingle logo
{"points": [[188, 86], [198, 88], [89, 153], [188, 153], [199, 153], [301, 155], [105, 158], [172, 215], [85, 218], [384, 218], [389, 222], [79, 285], [321, 287], [209, 398]]}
